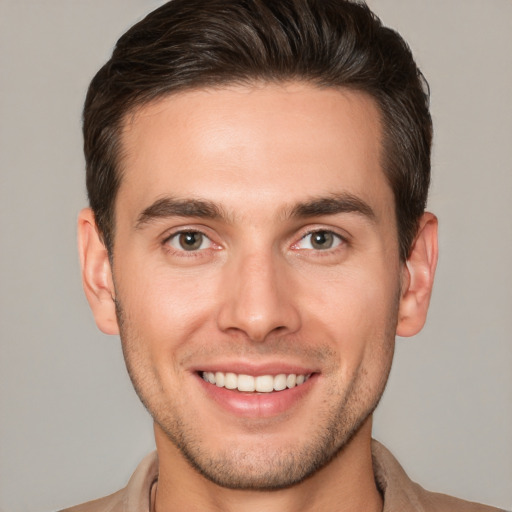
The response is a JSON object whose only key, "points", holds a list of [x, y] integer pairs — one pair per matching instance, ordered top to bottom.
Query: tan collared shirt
{"points": [[399, 492]]}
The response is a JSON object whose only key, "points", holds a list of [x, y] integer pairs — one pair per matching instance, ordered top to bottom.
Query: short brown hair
{"points": [[188, 44]]}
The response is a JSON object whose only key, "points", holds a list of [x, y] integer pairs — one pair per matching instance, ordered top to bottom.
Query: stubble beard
{"points": [[261, 469]]}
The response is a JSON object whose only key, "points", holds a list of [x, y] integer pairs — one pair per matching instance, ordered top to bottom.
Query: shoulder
{"points": [[401, 494], [135, 497], [436, 502], [111, 503]]}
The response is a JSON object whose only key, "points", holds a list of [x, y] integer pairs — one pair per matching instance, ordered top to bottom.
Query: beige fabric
{"points": [[400, 493], [403, 495], [135, 497]]}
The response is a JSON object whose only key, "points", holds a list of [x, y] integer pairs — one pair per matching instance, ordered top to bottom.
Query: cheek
{"points": [[166, 307], [357, 312]]}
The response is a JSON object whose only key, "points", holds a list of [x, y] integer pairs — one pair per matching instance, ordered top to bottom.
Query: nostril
{"points": [[256, 305]]}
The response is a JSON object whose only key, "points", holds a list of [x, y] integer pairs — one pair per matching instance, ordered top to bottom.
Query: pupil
{"points": [[322, 240], [190, 241]]}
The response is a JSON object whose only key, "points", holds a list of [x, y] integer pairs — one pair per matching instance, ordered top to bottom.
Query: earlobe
{"points": [[96, 273], [418, 278]]}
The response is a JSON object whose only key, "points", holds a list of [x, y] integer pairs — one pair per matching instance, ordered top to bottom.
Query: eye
{"points": [[320, 240], [189, 241]]}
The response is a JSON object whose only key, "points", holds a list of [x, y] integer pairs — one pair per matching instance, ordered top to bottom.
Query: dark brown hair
{"points": [[189, 44]]}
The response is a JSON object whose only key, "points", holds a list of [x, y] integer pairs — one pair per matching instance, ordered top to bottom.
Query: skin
{"points": [[256, 170]]}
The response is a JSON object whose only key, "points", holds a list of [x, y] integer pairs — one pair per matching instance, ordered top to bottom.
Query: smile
{"points": [[259, 384]]}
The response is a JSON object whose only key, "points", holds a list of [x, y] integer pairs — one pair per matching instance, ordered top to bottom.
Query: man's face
{"points": [[256, 246]]}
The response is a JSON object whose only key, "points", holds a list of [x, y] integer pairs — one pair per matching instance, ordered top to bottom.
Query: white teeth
{"points": [[219, 379], [291, 380], [230, 381], [280, 382], [245, 383], [264, 383], [260, 384]]}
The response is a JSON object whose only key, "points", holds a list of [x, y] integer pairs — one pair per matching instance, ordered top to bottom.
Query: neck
{"points": [[345, 484]]}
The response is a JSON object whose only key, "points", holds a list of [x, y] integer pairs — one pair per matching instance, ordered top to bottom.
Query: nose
{"points": [[258, 299]]}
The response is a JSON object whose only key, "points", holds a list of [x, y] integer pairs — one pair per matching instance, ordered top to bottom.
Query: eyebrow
{"points": [[332, 205], [172, 207], [200, 208]]}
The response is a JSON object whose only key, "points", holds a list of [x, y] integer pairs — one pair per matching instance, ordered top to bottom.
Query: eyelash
{"points": [[341, 241], [181, 252]]}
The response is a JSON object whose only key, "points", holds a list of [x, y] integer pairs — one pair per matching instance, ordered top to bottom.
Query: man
{"points": [[257, 174]]}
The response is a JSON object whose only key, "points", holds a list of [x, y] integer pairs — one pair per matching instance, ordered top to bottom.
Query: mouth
{"points": [[255, 384], [257, 394]]}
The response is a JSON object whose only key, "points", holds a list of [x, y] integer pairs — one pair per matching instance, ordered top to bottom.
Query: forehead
{"points": [[249, 146]]}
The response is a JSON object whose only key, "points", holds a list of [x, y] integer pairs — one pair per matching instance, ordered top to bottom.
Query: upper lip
{"points": [[254, 369]]}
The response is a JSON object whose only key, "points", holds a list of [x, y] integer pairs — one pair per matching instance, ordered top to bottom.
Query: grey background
{"points": [[71, 428]]}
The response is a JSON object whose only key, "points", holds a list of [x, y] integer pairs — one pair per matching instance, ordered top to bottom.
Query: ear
{"points": [[96, 273], [418, 278]]}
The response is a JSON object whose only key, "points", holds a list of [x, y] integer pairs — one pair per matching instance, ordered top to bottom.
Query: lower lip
{"points": [[257, 405]]}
